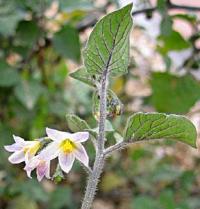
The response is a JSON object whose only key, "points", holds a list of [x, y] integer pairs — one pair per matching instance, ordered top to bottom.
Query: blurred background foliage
{"points": [[40, 45]]}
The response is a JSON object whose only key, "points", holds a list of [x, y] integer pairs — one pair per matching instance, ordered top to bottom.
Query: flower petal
{"points": [[57, 135], [80, 136], [18, 139], [13, 147], [50, 152], [81, 154], [17, 157], [66, 161], [31, 165], [42, 170], [47, 174]]}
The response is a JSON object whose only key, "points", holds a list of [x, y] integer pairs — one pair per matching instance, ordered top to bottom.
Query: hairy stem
{"points": [[115, 147], [99, 160], [92, 182]]}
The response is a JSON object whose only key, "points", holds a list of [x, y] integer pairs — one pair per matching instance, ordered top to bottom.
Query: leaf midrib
{"points": [[113, 45]]}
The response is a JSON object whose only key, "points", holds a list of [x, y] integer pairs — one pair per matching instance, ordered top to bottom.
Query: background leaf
{"points": [[71, 5], [10, 15], [27, 33], [174, 41], [66, 43], [8, 75], [28, 92], [174, 94], [145, 126]]}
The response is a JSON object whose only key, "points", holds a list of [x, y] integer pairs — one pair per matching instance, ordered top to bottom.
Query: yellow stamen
{"points": [[67, 146], [32, 149]]}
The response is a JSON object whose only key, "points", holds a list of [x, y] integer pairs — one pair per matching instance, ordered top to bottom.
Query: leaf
{"points": [[71, 5], [36, 6], [9, 17], [187, 17], [27, 33], [174, 41], [66, 42], [108, 44], [60, 72], [8, 75], [82, 75], [28, 92], [174, 94], [76, 124], [145, 126], [166, 174], [167, 199]]}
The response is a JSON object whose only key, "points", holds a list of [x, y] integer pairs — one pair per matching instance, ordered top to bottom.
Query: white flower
{"points": [[66, 146], [23, 150], [41, 165]]}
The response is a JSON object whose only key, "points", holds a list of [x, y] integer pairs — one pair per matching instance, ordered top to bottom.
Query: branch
{"points": [[169, 6], [184, 7], [147, 10], [92, 19]]}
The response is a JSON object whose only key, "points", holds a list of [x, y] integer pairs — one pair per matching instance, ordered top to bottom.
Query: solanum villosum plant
{"points": [[106, 55]]}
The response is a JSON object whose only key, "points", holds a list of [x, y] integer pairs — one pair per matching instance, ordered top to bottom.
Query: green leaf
{"points": [[71, 5], [37, 6], [9, 17], [187, 17], [27, 33], [174, 41], [66, 42], [108, 44], [60, 72], [8, 75], [82, 75], [28, 92], [174, 94], [76, 124], [145, 126], [166, 174], [167, 199]]}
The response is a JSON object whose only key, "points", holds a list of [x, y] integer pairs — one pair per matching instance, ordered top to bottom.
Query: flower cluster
{"points": [[66, 146]]}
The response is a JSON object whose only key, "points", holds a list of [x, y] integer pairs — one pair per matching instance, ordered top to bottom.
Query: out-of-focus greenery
{"points": [[40, 44]]}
